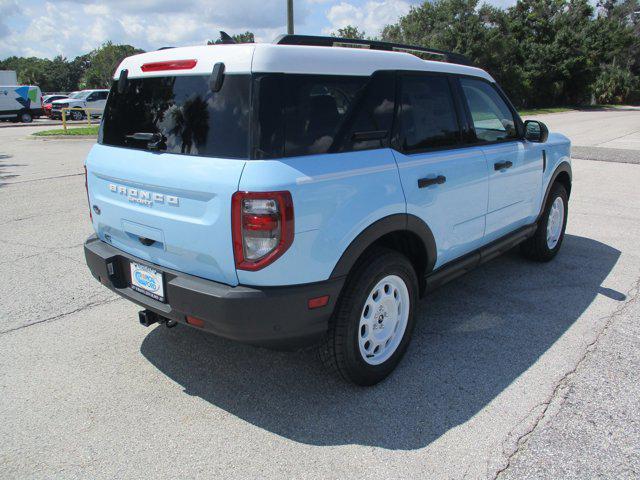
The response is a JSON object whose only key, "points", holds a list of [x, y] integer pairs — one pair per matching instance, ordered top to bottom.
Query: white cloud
{"points": [[8, 8], [372, 17], [74, 27]]}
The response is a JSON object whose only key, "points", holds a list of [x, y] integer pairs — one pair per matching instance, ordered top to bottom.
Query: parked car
{"points": [[47, 101], [78, 101], [21, 103], [291, 193]]}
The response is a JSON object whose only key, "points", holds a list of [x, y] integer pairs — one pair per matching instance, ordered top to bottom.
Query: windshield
{"points": [[80, 95], [180, 114]]}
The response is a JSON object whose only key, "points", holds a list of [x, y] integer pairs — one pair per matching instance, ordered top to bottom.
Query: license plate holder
{"points": [[147, 280]]}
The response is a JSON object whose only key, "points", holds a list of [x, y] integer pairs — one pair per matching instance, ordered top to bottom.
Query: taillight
{"points": [[169, 65], [86, 187], [263, 227]]}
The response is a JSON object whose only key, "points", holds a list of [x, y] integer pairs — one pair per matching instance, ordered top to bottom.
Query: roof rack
{"points": [[317, 41]]}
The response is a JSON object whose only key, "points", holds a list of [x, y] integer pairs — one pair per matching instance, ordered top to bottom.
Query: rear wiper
{"points": [[155, 141]]}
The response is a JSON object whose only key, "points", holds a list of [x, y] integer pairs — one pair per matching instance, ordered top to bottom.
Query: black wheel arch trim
{"points": [[564, 167], [393, 223]]}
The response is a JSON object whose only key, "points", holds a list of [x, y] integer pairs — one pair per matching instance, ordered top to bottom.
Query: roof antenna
{"points": [[225, 38]]}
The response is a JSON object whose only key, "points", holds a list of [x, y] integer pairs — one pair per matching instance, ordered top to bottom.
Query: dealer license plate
{"points": [[147, 281]]}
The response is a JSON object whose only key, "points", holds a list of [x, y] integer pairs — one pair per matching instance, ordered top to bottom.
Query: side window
{"points": [[101, 95], [92, 97], [316, 108], [427, 113], [373, 117], [492, 119]]}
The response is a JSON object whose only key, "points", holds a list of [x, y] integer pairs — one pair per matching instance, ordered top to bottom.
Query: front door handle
{"points": [[503, 165], [425, 182]]}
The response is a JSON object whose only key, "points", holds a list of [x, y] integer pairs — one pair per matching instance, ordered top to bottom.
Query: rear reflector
{"points": [[169, 65], [86, 187], [318, 302], [196, 322]]}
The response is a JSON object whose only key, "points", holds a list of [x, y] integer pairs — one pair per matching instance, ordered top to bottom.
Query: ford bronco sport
{"points": [[291, 193]]}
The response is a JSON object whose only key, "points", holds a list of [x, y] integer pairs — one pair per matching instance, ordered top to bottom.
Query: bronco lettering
{"points": [[144, 197]]}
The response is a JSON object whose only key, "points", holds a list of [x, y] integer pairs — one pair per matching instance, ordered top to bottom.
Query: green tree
{"points": [[452, 25], [351, 32], [479, 32], [615, 34], [246, 37], [543, 52], [552, 56], [103, 62], [76, 70], [30, 71], [58, 79], [614, 85]]}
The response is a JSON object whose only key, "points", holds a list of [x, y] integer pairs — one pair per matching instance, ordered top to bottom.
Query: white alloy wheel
{"points": [[555, 223], [383, 320]]}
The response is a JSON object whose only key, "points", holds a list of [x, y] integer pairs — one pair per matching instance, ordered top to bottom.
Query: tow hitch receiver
{"points": [[148, 318]]}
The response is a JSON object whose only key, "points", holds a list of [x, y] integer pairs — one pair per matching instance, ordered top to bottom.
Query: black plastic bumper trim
{"points": [[276, 317]]}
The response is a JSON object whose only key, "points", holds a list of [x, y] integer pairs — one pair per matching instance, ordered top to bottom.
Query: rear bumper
{"points": [[276, 317]]}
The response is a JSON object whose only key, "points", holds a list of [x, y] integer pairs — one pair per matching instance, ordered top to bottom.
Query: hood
{"points": [[70, 101]]}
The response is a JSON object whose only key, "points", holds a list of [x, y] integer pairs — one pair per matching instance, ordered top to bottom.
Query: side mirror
{"points": [[535, 131]]}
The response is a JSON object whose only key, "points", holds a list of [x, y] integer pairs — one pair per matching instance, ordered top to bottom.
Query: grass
{"points": [[542, 111], [70, 132]]}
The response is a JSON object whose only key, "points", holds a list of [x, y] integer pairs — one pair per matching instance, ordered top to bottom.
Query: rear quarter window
{"points": [[316, 107], [317, 114], [188, 118]]}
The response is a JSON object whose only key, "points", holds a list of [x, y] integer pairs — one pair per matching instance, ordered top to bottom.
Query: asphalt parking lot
{"points": [[517, 370]]}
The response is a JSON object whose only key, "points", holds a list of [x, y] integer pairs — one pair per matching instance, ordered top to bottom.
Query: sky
{"points": [[72, 27]]}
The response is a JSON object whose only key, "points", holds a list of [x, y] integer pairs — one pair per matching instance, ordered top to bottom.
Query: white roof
{"points": [[269, 57]]}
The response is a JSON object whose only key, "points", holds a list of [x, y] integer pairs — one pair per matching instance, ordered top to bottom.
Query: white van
{"points": [[8, 77], [20, 102]]}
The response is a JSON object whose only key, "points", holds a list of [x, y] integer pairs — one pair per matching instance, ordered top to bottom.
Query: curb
{"points": [[38, 124], [63, 137]]}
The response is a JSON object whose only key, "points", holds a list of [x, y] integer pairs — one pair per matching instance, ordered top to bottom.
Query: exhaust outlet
{"points": [[147, 317]]}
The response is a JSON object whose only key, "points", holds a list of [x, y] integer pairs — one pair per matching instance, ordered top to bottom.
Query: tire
{"points": [[77, 115], [25, 117], [546, 242], [359, 318]]}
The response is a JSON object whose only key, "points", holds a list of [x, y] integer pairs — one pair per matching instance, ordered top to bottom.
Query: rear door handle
{"points": [[503, 165], [425, 182]]}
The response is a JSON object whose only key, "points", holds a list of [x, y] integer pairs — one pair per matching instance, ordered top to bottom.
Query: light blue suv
{"points": [[288, 194]]}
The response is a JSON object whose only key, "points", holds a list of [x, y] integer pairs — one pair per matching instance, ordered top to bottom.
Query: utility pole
{"points": [[290, 17]]}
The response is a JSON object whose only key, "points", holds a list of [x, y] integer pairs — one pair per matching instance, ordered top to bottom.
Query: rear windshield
{"points": [[181, 115]]}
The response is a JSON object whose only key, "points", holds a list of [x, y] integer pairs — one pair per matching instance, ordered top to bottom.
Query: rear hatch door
{"points": [[169, 158]]}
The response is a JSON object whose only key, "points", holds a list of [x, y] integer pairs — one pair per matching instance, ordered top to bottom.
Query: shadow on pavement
{"points": [[4, 165], [474, 337]]}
